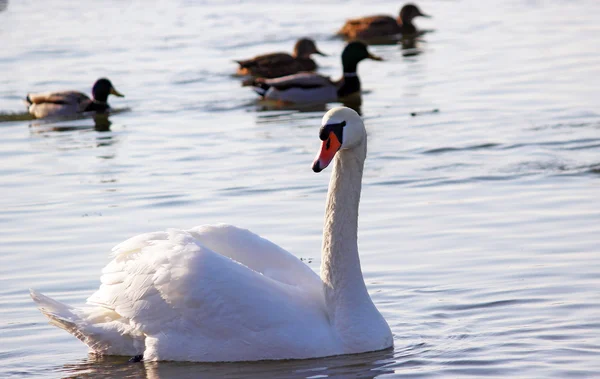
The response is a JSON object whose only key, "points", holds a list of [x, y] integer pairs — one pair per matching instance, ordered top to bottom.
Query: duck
{"points": [[382, 26], [275, 65], [304, 87], [70, 103], [217, 293]]}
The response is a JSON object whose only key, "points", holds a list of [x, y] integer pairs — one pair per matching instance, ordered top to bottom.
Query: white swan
{"points": [[220, 293]]}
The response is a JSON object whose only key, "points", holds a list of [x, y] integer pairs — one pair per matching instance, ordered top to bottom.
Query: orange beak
{"points": [[328, 149]]}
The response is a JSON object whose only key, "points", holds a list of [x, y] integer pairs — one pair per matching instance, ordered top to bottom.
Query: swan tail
{"points": [[57, 312], [61, 315], [112, 336]]}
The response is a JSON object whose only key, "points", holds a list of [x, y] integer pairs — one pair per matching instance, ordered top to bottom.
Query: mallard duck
{"points": [[380, 26], [275, 65], [308, 87], [67, 103], [218, 293]]}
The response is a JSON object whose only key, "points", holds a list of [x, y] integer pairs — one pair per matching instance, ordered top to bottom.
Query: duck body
{"points": [[382, 26], [275, 65], [305, 87], [298, 89], [65, 103], [69, 103], [221, 293]]}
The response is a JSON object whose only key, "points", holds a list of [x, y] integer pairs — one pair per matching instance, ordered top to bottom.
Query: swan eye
{"points": [[337, 129]]}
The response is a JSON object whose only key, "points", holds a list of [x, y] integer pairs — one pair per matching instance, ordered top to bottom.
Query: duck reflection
{"points": [[409, 47], [354, 102], [268, 106], [101, 124], [83, 134], [366, 365]]}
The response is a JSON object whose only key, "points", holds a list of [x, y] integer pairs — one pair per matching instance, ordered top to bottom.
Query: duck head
{"points": [[409, 12], [305, 47], [355, 52], [102, 88], [341, 128]]}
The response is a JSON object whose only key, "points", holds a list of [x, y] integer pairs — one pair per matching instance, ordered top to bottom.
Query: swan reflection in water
{"points": [[365, 365]]}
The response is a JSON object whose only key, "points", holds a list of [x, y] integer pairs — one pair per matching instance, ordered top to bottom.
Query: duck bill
{"points": [[423, 15], [318, 52], [375, 57], [113, 91], [328, 149]]}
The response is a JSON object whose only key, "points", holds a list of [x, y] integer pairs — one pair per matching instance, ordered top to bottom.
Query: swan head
{"points": [[341, 128]]}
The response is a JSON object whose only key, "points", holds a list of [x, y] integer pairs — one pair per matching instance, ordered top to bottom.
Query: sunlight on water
{"points": [[479, 214]]}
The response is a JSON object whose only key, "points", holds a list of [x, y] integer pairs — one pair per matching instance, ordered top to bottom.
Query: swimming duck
{"points": [[380, 26], [275, 65], [313, 88], [68, 103], [221, 293]]}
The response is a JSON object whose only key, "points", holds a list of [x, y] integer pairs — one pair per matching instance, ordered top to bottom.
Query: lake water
{"points": [[479, 224]]}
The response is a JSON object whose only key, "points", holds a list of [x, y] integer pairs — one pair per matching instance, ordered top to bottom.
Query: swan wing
{"points": [[258, 254], [192, 303]]}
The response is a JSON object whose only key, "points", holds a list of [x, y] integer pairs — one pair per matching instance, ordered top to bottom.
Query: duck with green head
{"points": [[382, 26], [275, 65], [304, 88], [69, 103]]}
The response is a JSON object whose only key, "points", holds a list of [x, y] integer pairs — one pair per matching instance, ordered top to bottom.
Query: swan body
{"points": [[382, 26], [275, 65], [307, 87], [70, 103], [221, 293]]}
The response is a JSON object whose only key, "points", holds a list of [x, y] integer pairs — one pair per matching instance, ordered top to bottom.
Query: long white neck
{"points": [[345, 290], [351, 311]]}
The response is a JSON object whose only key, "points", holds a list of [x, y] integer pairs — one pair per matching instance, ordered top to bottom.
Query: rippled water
{"points": [[479, 223]]}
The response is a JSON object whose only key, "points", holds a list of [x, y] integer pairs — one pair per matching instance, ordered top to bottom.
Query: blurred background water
{"points": [[479, 224]]}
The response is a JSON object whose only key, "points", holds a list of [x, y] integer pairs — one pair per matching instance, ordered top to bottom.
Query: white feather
{"points": [[221, 293]]}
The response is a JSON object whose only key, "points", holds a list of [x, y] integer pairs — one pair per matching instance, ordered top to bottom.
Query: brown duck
{"points": [[379, 26], [275, 65]]}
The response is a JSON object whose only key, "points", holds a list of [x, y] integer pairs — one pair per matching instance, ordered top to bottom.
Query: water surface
{"points": [[478, 224]]}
